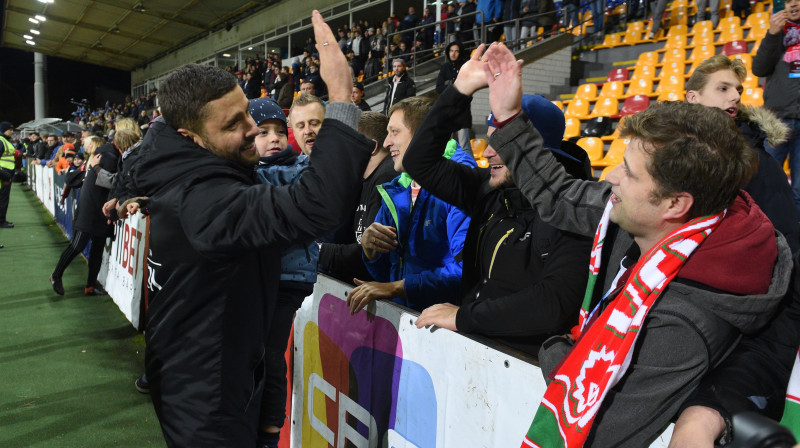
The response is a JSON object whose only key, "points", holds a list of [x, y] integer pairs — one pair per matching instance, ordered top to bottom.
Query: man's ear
{"points": [[692, 97], [193, 136], [376, 149], [680, 205]]}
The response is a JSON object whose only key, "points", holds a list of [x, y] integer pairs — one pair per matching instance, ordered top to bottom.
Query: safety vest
{"points": [[7, 159]]}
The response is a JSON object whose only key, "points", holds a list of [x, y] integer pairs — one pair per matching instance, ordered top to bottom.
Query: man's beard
{"points": [[236, 156]]}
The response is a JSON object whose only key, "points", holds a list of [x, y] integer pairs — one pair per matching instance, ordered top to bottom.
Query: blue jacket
{"points": [[492, 9], [431, 236], [298, 262]]}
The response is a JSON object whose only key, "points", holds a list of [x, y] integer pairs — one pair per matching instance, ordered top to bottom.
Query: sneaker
{"points": [[6, 225], [57, 286], [94, 291], [142, 385]]}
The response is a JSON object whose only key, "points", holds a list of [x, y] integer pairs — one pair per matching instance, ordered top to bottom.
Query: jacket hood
{"points": [[775, 130], [165, 155], [717, 262], [748, 291]]}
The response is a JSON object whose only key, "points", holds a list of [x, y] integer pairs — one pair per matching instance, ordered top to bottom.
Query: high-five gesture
{"points": [[333, 65], [504, 75], [471, 76]]}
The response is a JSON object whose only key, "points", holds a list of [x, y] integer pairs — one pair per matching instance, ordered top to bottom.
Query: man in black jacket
{"points": [[398, 87], [214, 237], [523, 279]]}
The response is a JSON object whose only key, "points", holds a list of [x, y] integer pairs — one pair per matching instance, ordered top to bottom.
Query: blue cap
{"points": [[263, 109], [546, 117]]}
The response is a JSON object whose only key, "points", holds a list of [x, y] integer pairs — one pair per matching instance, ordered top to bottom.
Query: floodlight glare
{"points": [[40, 18], [32, 20], [35, 31], [27, 36], [30, 42]]}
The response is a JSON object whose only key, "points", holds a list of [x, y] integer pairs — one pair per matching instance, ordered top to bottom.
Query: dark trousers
{"points": [[5, 193], [76, 246], [273, 401]]}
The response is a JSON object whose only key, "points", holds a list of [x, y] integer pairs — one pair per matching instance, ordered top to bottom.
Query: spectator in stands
{"points": [[661, 6], [571, 7], [598, 8], [713, 11], [510, 12], [492, 13], [428, 18], [408, 22], [529, 22], [450, 25], [468, 32], [377, 43], [360, 47], [404, 53], [454, 59], [778, 59], [355, 64], [372, 67], [314, 77], [717, 82], [251, 86], [307, 87], [398, 87], [284, 90], [358, 97], [306, 116], [36, 146], [49, 152], [66, 161], [280, 165], [7, 166], [73, 177], [664, 198], [90, 225], [342, 256], [414, 258], [523, 279], [205, 339]]}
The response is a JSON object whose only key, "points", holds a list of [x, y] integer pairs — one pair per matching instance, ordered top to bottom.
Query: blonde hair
{"points": [[699, 78], [128, 124], [125, 138], [95, 143]]}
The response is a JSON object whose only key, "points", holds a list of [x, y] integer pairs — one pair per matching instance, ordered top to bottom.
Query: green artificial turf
{"points": [[67, 363]]}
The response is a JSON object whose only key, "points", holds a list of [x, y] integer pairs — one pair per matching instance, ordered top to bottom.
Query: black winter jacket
{"points": [[406, 88], [90, 217], [214, 270], [523, 280]]}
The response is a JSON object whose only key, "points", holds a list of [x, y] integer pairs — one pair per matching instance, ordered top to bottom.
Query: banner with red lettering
{"points": [[124, 266]]}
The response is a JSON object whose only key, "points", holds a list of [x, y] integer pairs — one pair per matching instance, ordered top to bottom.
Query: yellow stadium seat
{"points": [[760, 7], [756, 18], [727, 21], [704, 25], [757, 32], [633, 33], [730, 33], [611, 41], [675, 41], [754, 50], [701, 53], [674, 55], [647, 58], [746, 58], [672, 68], [644, 72], [750, 80], [672, 83], [641, 86], [613, 89], [587, 91], [671, 96], [753, 96], [559, 105], [606, 107], [578, 108], [573, 128], [478, 146], [593, 147], [615, 153], [483, 163], [786, 168], [605, 172]]}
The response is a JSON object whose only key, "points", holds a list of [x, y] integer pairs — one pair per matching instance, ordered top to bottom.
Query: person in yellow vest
{"points": [[7, 154]]}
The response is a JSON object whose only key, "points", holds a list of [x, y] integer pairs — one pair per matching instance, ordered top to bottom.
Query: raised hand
{"points": [[777, 20], [333, 65], [504, 75], [471, 76]]}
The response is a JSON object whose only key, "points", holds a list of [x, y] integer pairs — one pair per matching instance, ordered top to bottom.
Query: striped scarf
{"points": [[603, 351], [791, 413]]}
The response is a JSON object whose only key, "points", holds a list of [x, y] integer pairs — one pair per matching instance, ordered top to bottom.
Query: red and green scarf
{"points": [[604, 348], [791, 413]]}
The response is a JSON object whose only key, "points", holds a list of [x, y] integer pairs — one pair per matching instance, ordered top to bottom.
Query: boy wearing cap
{"points": [[279, 165]]}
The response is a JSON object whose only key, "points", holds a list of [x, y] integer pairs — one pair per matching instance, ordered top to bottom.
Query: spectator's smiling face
{"points": [[793, 9], [723, 90], [306, 121], [228, 130], [272, 138], [398, 138], [500, 176]]}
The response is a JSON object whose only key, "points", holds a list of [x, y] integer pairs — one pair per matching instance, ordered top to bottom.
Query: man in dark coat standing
{"points": [[398, 87], [215, 237]]}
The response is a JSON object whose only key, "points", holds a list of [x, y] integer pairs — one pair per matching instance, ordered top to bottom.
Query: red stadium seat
{"points": [[734, 47], [618, 74], [635, 104]]}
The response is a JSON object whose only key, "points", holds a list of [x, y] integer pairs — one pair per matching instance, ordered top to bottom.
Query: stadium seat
{"points": [[760, 7], [678, 17], [756, 18], [727, 21], [701, 27], [757, 32], [633, 33], [730, 33], [610, 41], [675, 41], [757, 44], [734, 47], [701, 53], [674, 55], [647, 58], [747, 59], [672, 68], [644, 72], [618, 74], [750, 80], [672, 83], [642, 86], [613, 89], [586, 92], [671, 96], [753, 96], [558, 104], [634, 104], [606, 107], [578, 108], [597, 127], [573, 128], [478, 146], [593, 147], [615, 153], [482, 163], [605, 172]]}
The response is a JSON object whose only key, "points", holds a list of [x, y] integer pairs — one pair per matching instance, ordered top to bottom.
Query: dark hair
{"points": [[186, 91], [414, 110], [373, 125], [694, 149]]}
